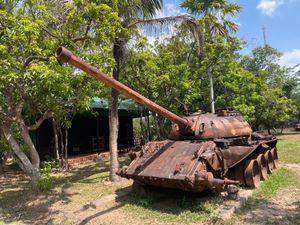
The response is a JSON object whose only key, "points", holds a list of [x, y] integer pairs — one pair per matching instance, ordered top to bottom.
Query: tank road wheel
{"points": [[275, 157], [269, 158], [262, 163], [237, 173], [252, 173]]}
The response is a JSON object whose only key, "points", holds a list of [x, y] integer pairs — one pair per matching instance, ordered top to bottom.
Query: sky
{"points": [[280, 19]]}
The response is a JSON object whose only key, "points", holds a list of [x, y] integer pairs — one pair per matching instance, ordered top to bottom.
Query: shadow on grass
{"points": [[169, 200], [19, 202], [168, 205], [264, 211], [89, 218]]}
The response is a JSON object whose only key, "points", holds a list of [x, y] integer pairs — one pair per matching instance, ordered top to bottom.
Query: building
{"points": [[89, 132]]}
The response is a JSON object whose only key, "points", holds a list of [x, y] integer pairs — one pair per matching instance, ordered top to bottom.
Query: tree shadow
{"points": [[162, 200], [171, 201], [19, 202], [264, 211]]}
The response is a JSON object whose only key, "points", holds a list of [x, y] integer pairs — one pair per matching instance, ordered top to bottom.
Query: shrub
{"points": [[46, 181]]}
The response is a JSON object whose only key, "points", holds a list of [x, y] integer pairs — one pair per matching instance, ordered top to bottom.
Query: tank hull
{"points": [[194, 165]]}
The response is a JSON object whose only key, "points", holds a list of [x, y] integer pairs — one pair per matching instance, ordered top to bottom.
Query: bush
{"points": [[46, 181]]}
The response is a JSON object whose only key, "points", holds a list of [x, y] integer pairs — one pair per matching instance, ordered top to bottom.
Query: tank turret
{"points": [[205, 151]]}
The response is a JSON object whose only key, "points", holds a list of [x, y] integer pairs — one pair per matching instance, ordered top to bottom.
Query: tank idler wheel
{"points": [[275, 158], [269, 159], [262, 163], [252, 173]]}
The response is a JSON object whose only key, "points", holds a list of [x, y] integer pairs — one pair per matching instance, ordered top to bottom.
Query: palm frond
{"points": [[132, 10], [159, 25]]}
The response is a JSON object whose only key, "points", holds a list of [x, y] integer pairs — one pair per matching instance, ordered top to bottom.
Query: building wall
{"points": [[88, 134]]}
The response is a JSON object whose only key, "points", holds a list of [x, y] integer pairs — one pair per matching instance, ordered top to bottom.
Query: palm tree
{"points": [[129, 12], [132, 14], [216, 18]]}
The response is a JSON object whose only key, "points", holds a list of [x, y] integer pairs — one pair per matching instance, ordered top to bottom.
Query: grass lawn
{"points": [[289, 147], [68, 201]]}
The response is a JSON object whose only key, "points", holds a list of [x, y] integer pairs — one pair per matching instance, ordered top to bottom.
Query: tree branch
{"points": [[48, 32], [80, 39], [34, 57], [19, 108], [45, 116], [5, 118]]}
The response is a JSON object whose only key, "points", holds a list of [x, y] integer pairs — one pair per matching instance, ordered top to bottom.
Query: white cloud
{"points": [[268, 7], [171, 10], [291, 58]]}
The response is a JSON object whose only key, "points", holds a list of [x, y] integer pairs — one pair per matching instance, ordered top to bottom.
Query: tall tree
{"points": [[130, 12], [215, 18], [32, 85], [274, 105]]}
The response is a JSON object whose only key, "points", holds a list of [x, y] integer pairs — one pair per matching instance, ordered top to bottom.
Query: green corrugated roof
{"points": [[125, 104]]}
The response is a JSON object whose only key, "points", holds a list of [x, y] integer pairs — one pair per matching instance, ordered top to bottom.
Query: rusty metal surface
{"points": [[207, 126], [205, 151], [174, 164], [178, 164], [252, 173]]}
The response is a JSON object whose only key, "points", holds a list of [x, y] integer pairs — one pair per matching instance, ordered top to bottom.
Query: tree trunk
{"points": [[211, 89], [114, 117], [161, 123], [157, 126], [148, 128], [142, 129], [269, 129], [113, 136], [55, 137], [66, 142], [62, 146], [66, 148], [34, 156], [1, 163], [27, 166]]}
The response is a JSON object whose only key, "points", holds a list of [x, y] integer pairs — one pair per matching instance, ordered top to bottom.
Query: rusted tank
{"points": [[204, 151]]}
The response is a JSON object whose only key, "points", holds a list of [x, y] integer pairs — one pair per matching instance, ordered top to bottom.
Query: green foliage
{"points": [[30, 34], [171, 74], [163, 75], [33, 85], [273, 105], [4, 147], [46, 181]]}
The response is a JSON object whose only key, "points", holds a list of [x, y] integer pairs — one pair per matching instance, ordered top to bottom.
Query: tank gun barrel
{"points": [[65, 56]]}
